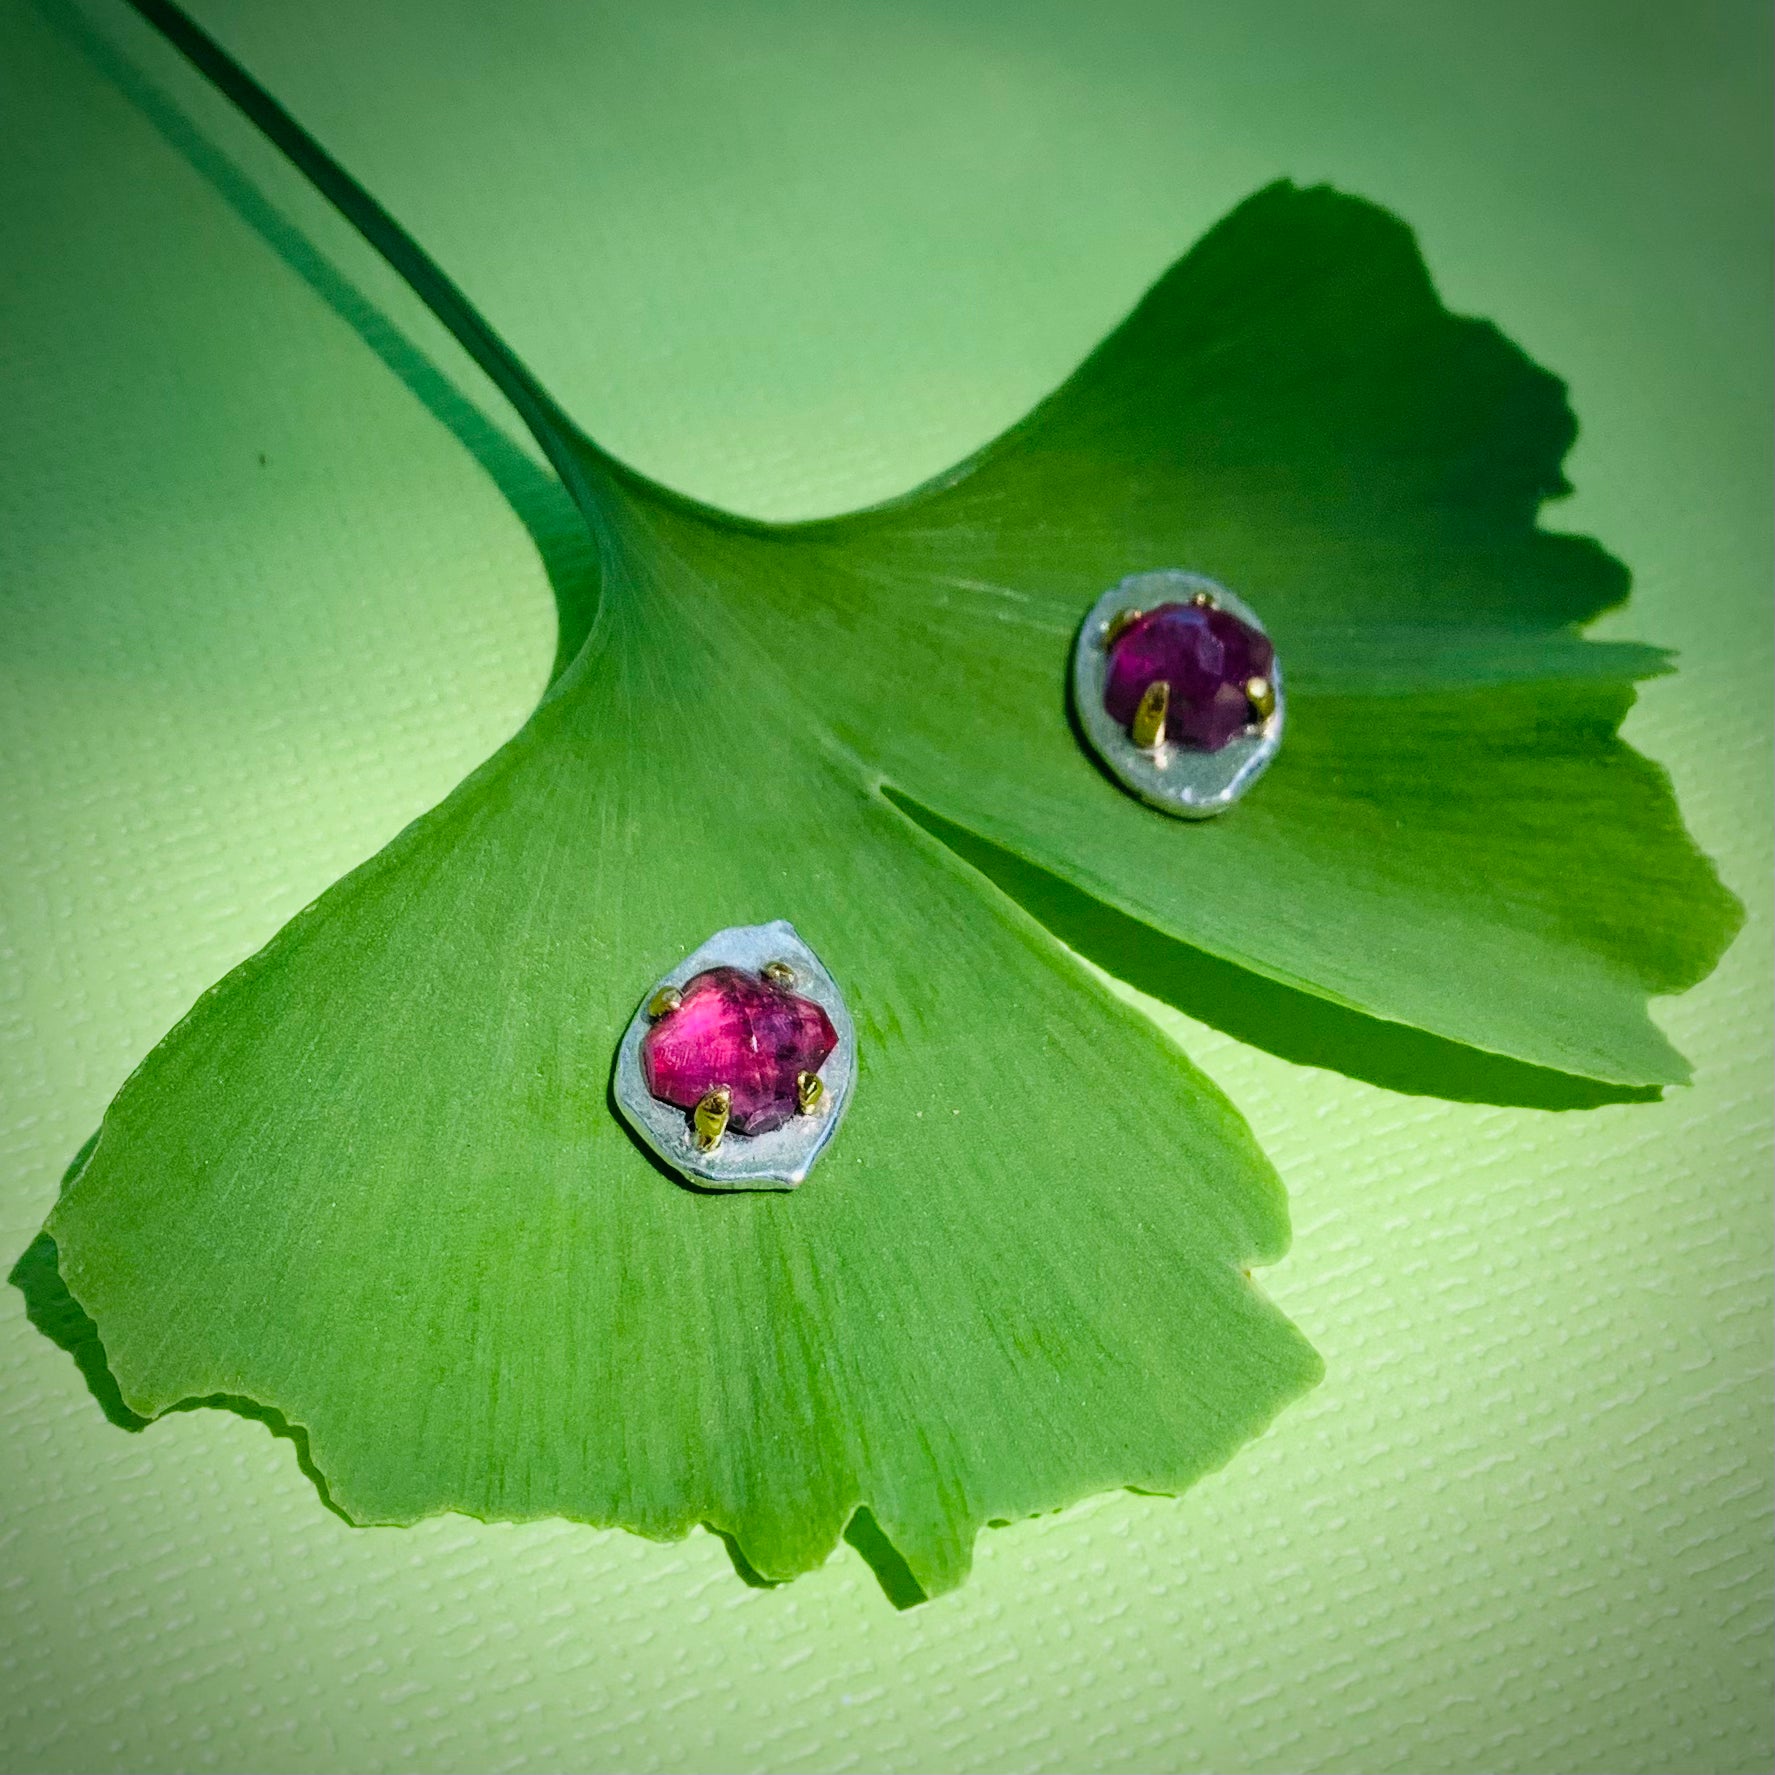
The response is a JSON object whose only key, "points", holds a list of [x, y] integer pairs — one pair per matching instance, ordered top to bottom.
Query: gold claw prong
{"points": [[1203, 600], [1119, 624], [1261, 694], [1148, 726], [779, 973], [664, 1002], [808, 1091], [710, 1118]]}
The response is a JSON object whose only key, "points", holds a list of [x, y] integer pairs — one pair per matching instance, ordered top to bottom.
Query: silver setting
{"points": [[1175, 779], [782, 1158]]}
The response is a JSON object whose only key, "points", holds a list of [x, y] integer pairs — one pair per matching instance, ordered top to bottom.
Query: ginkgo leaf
{"points": [[1453, 836], [374, 1182]]}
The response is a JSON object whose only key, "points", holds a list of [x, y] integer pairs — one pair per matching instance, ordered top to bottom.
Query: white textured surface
{"points": [[792, 261]]}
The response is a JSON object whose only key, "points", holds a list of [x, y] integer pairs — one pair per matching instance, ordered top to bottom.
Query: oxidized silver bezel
{"points": [[1176, 779], [781, 1158]]}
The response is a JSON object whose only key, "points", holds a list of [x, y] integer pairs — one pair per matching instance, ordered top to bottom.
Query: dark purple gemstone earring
{"points": [[1179, 691]]}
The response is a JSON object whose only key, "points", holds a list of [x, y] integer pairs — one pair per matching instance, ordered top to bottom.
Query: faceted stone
{"points": [[1205, 655], [742, 1031]]}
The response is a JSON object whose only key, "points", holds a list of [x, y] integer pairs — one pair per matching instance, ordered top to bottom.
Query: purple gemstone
{"points": [[1205, 655], [746, 1033]]}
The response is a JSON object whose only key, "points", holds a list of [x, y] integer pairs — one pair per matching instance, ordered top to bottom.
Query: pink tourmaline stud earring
{"points": [[1179, 691], [737, 1068]]}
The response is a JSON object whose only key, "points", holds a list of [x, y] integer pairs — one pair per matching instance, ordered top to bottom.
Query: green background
{"points": [[260, 607]]}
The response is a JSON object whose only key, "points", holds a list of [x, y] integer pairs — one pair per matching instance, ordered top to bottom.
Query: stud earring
{"points": [[1179, 691], [739, 1065]]}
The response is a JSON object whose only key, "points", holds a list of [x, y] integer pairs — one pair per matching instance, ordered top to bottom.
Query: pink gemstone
{"points": [[1205, 655], [741, 1031]]}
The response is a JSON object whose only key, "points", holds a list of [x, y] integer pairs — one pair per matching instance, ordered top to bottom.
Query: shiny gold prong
{"points": [[1203, 600], [1119, 624], [1261, 694], [1148, 726], [779, 973], [664, 1002], [809, 1089], [710, 1118]]}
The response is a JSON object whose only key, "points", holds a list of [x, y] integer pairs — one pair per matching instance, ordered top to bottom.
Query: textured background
{"points": [[260, 607]]}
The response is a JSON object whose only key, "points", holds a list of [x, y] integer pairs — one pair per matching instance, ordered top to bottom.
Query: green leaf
{"points": [[1453, 837], [374, 1180], [374, 1184]]}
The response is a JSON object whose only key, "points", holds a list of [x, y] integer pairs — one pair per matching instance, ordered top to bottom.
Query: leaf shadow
{"points": [[541, 504], [1297, 1026], [60, 1317], [866, 1538], [883, 1558], [743, 1569]]}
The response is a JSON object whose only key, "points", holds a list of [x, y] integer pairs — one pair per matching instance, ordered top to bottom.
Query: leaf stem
{"points": [[565, 446]]}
